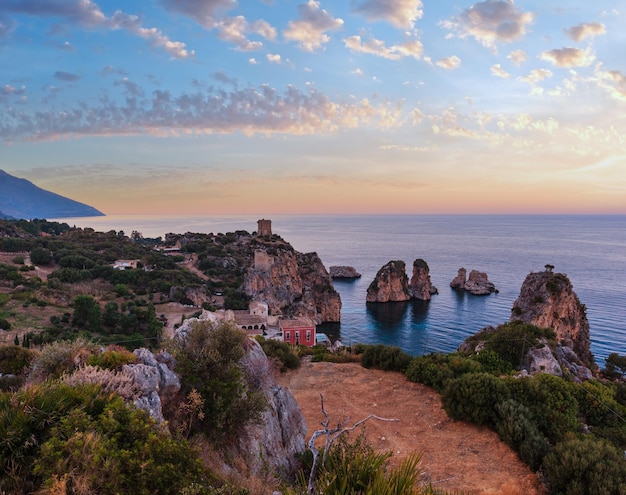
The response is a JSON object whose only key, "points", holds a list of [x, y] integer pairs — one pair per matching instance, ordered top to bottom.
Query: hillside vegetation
{"points": [[69, 321]]}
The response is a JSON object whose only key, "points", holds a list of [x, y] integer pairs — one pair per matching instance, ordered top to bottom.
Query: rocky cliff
{"points": [[478, 283], [293, 284], [390, 284], [420, 286], [547, 300]]}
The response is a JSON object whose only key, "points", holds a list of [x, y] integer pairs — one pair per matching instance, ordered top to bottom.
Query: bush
{"points": [[41, 256], [282, 352], [59, 358], [113, 358], [385, 358], [14, 360], [209, 360], [435, 370], [473, 397], [552, 401], [516, 428], [585, 466]]}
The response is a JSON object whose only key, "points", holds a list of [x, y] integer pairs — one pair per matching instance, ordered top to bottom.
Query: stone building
{"points": [[264, 228]]}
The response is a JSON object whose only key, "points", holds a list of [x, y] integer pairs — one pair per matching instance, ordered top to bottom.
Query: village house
{"points": [[298, 331]]}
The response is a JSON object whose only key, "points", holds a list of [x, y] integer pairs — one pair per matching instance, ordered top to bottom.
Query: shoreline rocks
{"points": [[391, 283], [477, 283], [421, 287]]}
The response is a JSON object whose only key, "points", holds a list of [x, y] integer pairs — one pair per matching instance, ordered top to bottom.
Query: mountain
{"points": [[20, 198]]}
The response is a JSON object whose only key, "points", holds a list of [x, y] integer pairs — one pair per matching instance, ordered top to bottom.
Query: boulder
{"points": [[343, 272], [478, 283], [390, 284], [421, 286]]}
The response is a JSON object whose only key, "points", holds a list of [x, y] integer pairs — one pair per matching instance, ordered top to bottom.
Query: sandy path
{"points": [[455, 455]]}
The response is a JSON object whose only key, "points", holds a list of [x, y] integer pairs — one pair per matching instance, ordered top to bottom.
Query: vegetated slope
{"points": [[20, 198], [456, 455]]}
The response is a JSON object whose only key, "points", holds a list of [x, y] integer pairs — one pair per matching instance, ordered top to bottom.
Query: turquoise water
{"points": [[590, 250]]}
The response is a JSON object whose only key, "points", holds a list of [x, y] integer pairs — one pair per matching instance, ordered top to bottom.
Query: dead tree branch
{"points": [[331, 435]]}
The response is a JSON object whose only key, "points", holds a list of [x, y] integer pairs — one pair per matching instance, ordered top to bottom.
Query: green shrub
{"points": [[41, 256], [282, 352], [60, 357], [113, 358], [385, 358], [14, 360], [209, 360], [615, 366], [435, 370], [473, 397], [552, 401], [516, 427], [585, 466]]}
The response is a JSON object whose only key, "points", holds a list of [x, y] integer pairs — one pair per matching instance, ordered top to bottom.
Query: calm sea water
{"points": [[590, 250]]}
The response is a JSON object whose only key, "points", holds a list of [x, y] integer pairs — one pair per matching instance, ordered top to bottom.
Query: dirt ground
{"points": [[456, 456]]}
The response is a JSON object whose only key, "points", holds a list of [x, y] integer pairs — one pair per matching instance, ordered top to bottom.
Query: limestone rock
{"points": [[343, 272], [478, 283], [293, 284], [390, 284], [421, 286], [547, 300], [540, 359], [156, 381], [278, 440]]}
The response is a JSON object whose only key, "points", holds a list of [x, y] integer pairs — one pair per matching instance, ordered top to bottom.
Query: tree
{"points": [[41, 256], [87, 313], [615, 366]]}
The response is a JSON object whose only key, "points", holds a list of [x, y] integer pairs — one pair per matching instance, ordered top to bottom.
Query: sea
{"points": [[590, 250]]}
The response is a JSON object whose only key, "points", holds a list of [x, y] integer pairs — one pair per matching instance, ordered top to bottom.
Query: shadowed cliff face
{"points": [[294, 284], [547, 300]]}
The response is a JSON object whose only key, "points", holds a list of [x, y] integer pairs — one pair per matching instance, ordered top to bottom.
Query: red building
{"points": [[298, 332]]}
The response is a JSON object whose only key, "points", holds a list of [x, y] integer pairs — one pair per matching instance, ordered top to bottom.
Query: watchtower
{"points": [[265, 228]]}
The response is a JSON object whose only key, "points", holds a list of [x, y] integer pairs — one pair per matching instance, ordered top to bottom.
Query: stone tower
{"points": [[265, 228]]}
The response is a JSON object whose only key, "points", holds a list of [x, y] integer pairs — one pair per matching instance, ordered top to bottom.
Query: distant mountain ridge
{"points": [[21, 199]]}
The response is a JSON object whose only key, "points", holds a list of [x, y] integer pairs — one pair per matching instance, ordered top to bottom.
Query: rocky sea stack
{"points": [[344, 272], [392, 283], [478, 283], [547, 299]]}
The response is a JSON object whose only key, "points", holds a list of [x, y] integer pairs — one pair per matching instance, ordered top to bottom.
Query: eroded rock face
{"points": [[343, 272], [478, 283], [294, 284], [390, 284], [421, 286], [547, 300], [156, 380], [278, 440]]}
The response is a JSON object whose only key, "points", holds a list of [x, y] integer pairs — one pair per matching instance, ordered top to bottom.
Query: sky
{"points": [[201, 107]]}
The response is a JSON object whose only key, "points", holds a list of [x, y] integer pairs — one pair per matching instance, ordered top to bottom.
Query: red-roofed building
{"points": [[298, 331]]}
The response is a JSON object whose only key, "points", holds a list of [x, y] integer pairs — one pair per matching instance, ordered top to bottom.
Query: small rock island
{"points": [[343, 272], [478, 283]]}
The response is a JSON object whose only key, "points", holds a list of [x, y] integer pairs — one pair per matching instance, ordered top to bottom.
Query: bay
{"points": [[590, 250]]}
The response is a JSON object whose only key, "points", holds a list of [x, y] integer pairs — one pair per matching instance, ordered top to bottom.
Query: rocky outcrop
{"points": [[343, 272], [478, 283], [293, 284], [390, 284], [420, 286], [193, 295], [547, 300], [156, 381], [278, 440]]}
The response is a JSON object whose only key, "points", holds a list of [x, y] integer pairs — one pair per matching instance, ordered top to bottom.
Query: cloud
{"points": [[204, 12], [400, 13], [87, 14], [490, 22], [7, 25], [233, 30], [310, 30], [585, 30], [373, 46], [518, 57], [568, 57], [274, 58], [449, 63], [498, 71], [358, 72], [536, 75], [66, 76], [613, 82], [11, 91], [248, 110]]}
